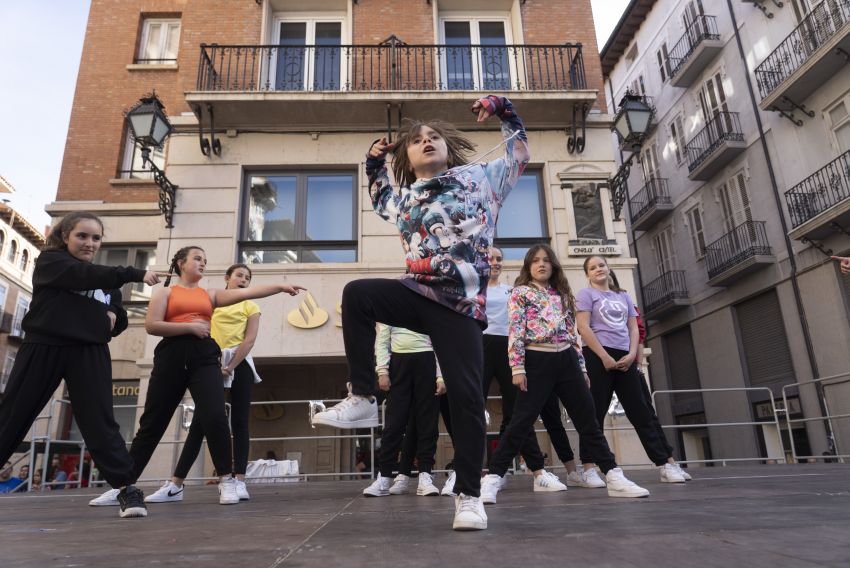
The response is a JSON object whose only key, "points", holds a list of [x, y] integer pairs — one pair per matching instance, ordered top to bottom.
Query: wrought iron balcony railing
{"points": [[702, 28], [816, 29], [391, 67], [725, 126], [820, 191], [655, 192], [747, 240], [666, 288]]}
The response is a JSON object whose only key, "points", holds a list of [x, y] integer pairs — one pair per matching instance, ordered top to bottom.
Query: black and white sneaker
{"points": [[132, 502]]}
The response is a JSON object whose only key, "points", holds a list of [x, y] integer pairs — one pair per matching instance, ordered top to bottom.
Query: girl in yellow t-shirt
{"points": [[234, 328]]}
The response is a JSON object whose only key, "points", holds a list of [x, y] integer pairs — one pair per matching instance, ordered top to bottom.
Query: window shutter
{"points": [[764, 341], [684, 373]]}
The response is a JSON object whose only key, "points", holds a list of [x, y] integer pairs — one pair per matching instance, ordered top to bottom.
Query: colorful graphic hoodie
{"points": [[447, 222]]}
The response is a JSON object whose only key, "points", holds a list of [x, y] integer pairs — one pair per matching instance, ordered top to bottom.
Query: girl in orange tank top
{"points": [[188, 358]]}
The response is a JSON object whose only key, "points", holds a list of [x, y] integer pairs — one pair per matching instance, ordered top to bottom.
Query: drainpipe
{"points": [[632, 231], [798, 299]]}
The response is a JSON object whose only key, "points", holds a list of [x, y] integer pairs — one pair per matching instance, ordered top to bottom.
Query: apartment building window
{"points": [[802, 8], [693, 22], [160, 41], [309, 56], [476, 56], [663, 62], [638, 86], [712, 97], [839, 122], [677, 139], [649, 162], [131, 167], [735, 201], [299, 217], [693, 217], [522, 221], [2, 241], [13, 252], [665, 254], [25, 259], [4, 290], [134, 294], [21, 309], [7, 369]]}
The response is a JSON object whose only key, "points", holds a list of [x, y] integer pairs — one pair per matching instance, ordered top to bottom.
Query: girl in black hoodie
{"points": [[75, 311]]}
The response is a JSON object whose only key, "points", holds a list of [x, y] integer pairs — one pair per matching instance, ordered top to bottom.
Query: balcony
{"points": [[694, 51], [807, 58], [351, 87], [717, 144], [820, 200], [650, 204], [737, 253], [666, 293]]}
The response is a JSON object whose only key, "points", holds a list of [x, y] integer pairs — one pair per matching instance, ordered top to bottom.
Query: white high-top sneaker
{"points": [[353, 412], [669, 473], [491, 484], [401, 485], [426, 486], [619, 486], [379, 488], [449, 488], [242, 490], [227, 494], [469, 514]]}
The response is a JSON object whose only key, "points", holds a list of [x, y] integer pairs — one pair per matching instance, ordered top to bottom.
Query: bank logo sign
{"points": [[308, 315]]}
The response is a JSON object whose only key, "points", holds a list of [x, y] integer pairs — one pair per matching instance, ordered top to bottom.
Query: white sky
{"points": [[40, 47]]}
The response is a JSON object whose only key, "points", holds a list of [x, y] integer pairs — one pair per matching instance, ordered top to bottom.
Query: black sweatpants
{"points": [[457, 343], [179, 363], [496, 364], [87, 370], [557, 373], [627, 385], [412, 388], [551, 416], [240, 417], [656, 423]]}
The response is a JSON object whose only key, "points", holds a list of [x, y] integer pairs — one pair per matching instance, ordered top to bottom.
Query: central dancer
{"points": [[446, 213]]}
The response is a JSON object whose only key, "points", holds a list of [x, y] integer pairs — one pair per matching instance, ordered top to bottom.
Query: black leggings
{"points": [[456, 339], [179, 363], [87, 370], [559, 374], [627, 385], [240, 417], [408, 449]]}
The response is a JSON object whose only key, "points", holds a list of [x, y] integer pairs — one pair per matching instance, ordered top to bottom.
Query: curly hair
{"points": [[458, 146]]}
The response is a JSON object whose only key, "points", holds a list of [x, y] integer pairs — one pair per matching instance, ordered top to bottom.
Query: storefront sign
{"points": [[588, 250], [123, 389]]}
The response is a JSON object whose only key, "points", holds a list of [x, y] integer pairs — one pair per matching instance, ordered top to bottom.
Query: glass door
{"points": [[309, 55], [475, 56]]}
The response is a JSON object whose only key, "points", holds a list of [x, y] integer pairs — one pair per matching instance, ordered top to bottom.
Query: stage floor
{"points": [[754, 516]]}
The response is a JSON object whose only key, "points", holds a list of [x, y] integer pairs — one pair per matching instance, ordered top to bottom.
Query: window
{"points": [[802, 8], [693, 22], [160, 41], [631, 55], [309, 56], [476, 56], [663, 62], [638, 87], [712, 99], [839, 121], [677, 139], [649, 162], [132, 166], [735, 202], [693, 216], [299, 217], [522, 221], [2, 241], [13, 252], [665, 255], [25, 258], [4, 290], [135, 295], [20, 311], [7, 369]]}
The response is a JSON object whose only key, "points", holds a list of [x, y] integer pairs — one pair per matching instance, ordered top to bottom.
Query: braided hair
{"points": [[180, 255]]}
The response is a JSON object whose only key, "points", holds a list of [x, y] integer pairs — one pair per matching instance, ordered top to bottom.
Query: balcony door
{"points": [[694, 23], [309, 56], [475, 56], [715, 109], [665, 254]]}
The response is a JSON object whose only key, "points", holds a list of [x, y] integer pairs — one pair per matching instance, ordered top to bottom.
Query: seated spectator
{"points": [[24, 472], [55, 474], [36, 481], [7, 482]]}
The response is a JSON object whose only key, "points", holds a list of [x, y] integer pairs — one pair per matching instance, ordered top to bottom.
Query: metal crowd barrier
{"points": [[828, 417]]}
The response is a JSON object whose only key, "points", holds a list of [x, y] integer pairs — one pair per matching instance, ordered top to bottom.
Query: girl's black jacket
{"points": [[71, 297]]}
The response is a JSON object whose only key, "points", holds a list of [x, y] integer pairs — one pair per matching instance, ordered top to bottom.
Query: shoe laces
{"points": [[466, 503]]}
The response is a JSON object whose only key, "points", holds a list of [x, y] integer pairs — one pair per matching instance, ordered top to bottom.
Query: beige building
{"points": [[273, 118], [741, 194]]}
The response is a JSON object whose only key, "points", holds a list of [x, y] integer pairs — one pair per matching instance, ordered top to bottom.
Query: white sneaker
{"points": [[353, 412], [683, 471], [670, 474], [586, 478], [548, 481], [491, 484], [401, 485], [426, 486], [619, 486], [449, 487], [379, 488], [242, 491], [166, 494], [227, 494], [106, 499], [469, 514]]}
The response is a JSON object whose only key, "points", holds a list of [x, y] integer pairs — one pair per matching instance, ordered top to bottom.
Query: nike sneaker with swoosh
{"points": [[166, 494]]}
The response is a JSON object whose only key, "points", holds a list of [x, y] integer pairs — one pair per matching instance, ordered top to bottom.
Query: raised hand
{"points": [[482, 107], [380, 148]]}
